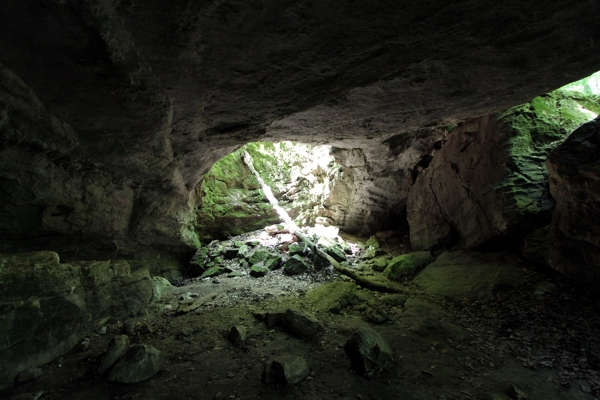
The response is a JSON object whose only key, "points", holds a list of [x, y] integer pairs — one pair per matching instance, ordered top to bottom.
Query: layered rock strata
{"points": [[46, 307]]}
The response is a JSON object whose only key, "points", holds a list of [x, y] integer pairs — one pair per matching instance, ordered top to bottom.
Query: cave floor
{"points": [[521, 344]]}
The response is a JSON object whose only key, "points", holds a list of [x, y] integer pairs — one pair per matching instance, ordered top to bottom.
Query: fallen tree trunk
{"points": [[361, 280]]}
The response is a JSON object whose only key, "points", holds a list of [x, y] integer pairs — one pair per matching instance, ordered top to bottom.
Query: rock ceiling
{"points": [[156, 91]]}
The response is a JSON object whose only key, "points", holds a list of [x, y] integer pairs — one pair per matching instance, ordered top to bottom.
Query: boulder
{"points": [[489, 180], [571, 243], [260, 255], [273, 263], [295, 265], [407, 265], [212, 271], [258, 271], [461, 274], [159, 285], [331, 297], [49, 306], [301, 323], [237, 335], [116, 348], [367, 351], [141, 362], [286, 369]]}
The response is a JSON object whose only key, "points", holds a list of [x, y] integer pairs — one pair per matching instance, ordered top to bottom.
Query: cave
{"points": [[270, 199]]}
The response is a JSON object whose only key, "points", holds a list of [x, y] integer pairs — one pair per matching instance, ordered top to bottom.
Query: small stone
{"points": [[212, 271], [258, 271], [235, 274], [375, 316], [301, 323], [129, 327], [145, 329], [101, 330], [186, 332], [237, 335], [84, 345], [116, 348], [367, 350], [140, 363], [290, 370], [29, 375], [515, 393]]}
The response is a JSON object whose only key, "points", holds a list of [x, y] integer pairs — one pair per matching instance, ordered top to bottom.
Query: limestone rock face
{"points": [[112, 112], [489, 179], [371, 190], [571, 244], [47, 307]]}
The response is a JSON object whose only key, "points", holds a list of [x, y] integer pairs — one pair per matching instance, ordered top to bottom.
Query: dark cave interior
{"points": [[438, 163]]}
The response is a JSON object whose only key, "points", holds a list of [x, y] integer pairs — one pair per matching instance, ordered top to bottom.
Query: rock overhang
{"points": [[159, 91]]}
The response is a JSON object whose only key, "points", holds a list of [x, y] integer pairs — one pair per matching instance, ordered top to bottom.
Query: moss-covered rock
{"points": [[489, 180], [297, 248], [273, 263], [379, 263], [295, 265], [407, 265], [212, 271], [258, 271], [331, 297]]}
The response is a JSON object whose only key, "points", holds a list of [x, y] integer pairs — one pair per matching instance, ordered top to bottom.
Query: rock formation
{"points": [[112, 112], [489, 179], [571, 243], [47, 307]]}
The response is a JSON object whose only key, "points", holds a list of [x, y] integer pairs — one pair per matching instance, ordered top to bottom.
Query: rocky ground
{"points": [[468, 326]]}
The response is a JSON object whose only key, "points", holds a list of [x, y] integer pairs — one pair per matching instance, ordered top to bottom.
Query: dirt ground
{"points": [[528, 344]]}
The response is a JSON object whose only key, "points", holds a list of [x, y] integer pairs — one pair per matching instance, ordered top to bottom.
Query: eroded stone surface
{"points": [[120, 108], [489, 179], [571, 244], [49, 306]]}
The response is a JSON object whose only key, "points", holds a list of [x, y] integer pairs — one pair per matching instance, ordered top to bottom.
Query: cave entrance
{"points": [[231, 201]]}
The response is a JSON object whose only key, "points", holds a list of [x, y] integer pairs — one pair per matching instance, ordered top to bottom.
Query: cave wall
{"points": [[141, 98], [489, 180], [371, 191], [571, 242]]}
